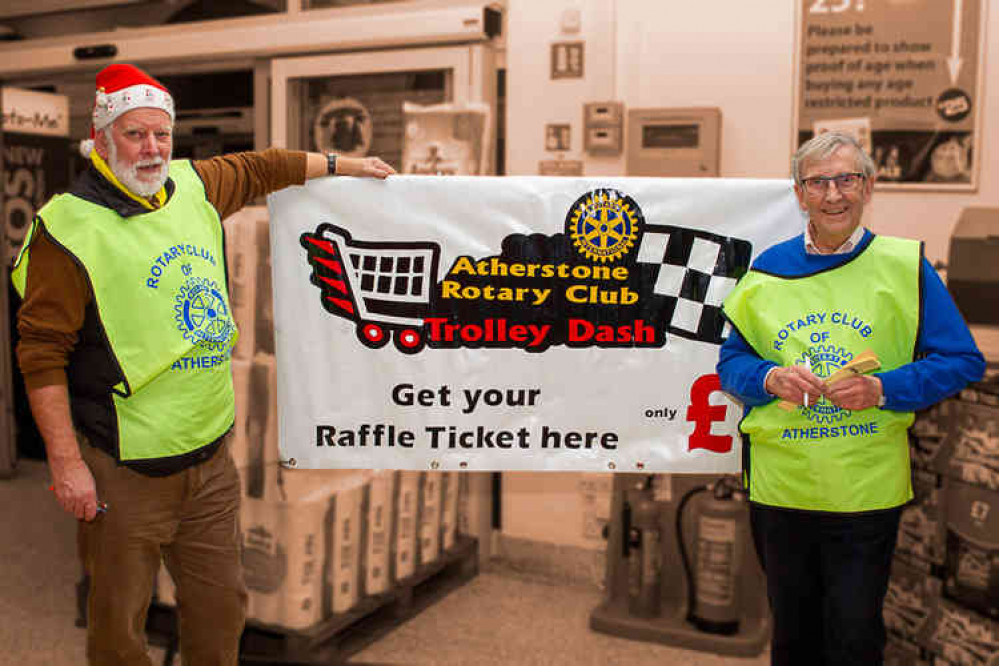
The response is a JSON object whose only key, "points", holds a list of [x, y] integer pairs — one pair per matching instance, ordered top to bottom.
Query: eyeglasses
{"points": [[845, 182]]}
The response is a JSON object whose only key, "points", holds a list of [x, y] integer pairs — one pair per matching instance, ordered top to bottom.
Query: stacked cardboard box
{"points": [[927, 437], [451, 482], [431, 499], [973, 503], [379, 508], [922, 532], [405, 538], [315, 542], [299, 547], [344, 548], [913, 595], [943, 600], [959, 636], [900, 652]]}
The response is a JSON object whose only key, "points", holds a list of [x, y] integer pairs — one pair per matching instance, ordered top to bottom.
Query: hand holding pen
{"points": [[795, 384], [847, 388], [74, 487], [102, 507]]}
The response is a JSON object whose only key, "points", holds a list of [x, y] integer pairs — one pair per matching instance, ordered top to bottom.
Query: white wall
{"points": [[736, 55], [533, 100]]}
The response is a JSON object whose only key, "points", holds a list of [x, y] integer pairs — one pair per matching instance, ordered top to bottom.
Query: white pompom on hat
{"points": [[121, 88]]}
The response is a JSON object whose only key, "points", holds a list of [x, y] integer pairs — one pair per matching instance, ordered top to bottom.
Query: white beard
{"points": [[128, 175]]}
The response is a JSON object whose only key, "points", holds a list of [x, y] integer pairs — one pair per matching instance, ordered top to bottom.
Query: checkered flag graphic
{"points": [[696, 271]]}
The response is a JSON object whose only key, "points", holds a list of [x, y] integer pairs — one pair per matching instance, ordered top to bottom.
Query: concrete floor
{"points": [[497, 618]]}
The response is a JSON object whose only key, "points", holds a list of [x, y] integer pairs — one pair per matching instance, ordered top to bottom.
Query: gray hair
{"points": [[109, 141], [822, 146]]}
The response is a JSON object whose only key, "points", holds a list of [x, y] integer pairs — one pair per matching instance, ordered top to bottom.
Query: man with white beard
{"points": [[153, 169], [126, 338]]}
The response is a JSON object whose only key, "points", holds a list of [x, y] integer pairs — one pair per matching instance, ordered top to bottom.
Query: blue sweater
{"points": [[947, 358]]}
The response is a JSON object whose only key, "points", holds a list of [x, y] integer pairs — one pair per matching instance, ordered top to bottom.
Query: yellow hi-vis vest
{"points": [[159, 286], [822, 457]]}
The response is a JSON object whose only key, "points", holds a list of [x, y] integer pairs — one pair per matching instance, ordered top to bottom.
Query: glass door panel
{"points": [[352, 104]]}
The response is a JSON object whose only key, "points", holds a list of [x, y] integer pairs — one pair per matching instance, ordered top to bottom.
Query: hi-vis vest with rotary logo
{"points": [[159, 285], [822, 457]]}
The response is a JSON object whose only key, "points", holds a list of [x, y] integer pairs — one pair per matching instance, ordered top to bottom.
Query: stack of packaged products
{"points": [[315, 542], [942, 606]]}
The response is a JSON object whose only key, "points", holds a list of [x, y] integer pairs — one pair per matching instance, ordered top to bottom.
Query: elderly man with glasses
{"points": [[839, 336]]}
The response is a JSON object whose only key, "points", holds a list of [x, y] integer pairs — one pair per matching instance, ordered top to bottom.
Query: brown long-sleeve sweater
{"points": [[57, 291]]}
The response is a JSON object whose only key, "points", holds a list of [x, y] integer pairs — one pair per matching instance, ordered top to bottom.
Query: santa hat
{"points": [[121, 88]]}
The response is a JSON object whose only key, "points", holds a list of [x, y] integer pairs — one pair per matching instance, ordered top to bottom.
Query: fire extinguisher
{"points": [[644, 555], [713, 581]]}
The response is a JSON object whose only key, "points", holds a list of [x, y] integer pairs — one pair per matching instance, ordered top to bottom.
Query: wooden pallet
{"points": [[335, 639]]}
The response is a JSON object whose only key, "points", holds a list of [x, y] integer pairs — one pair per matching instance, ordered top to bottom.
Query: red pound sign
{"points": [[703, 414]]}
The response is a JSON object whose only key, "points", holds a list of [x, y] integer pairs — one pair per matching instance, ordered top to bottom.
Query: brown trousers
{"points": [[190, 521]]}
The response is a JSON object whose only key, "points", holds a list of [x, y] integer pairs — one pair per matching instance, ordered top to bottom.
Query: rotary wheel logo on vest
{"points": [[604, 224], [201, 312], [825, 360]]}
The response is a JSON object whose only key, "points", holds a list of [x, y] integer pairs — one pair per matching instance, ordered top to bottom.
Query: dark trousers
{"points": [[827, 575]]}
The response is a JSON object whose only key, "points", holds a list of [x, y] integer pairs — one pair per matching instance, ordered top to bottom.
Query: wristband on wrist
{"points": [[331, 164]]}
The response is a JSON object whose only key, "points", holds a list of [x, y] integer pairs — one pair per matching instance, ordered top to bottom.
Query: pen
{"points": [[808, 366]]}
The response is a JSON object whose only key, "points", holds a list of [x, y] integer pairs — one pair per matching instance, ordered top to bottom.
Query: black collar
{"points": [[92, 186]]}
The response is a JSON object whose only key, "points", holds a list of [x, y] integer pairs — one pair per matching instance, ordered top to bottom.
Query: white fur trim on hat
{"points": [[140, 96]]}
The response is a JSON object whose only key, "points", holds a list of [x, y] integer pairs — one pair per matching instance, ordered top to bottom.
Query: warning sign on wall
{"points": [[903, 76]]}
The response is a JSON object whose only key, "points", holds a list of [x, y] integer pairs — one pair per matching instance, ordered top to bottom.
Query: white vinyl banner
{"points": [[481, 323]]}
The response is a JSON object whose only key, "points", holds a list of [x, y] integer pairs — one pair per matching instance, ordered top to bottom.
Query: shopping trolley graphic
{"points": [[383, 287]]}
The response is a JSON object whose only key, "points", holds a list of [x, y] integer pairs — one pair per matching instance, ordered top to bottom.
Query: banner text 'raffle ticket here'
{"points": [[479, 323]]}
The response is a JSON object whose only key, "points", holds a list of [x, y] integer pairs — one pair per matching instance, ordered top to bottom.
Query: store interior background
{"points": [[737, 56]]}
